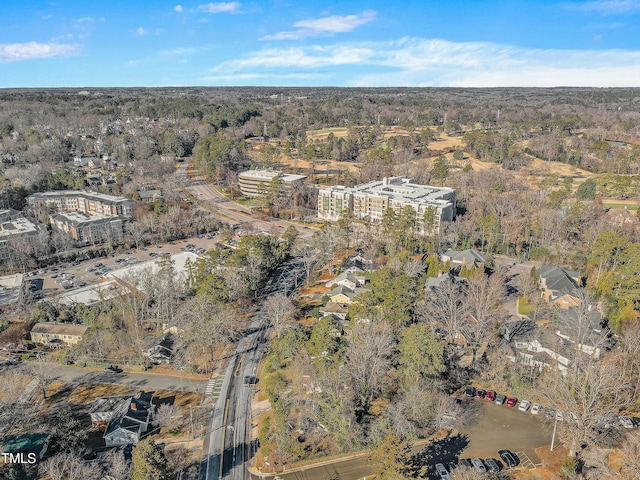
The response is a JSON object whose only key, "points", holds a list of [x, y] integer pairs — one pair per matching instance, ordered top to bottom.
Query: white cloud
{"points": [[222, 7], [607, 7], [177, 8], [326, 25], [140, 31], [15, 52], [414, 61]]}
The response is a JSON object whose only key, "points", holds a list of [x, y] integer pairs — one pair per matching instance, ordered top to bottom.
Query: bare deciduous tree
{"points": [[280, 311]]}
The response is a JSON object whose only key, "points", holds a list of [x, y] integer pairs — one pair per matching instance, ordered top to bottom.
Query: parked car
{"points": [[113, 369], [470, 391], [480, 393], [491, 395], [500, 399], [511, 402], [524, 405], [535, 408], [549, 412], [560, 415], [573, 416], [625, 421], [509, 458], [465, 462], [479, 465], [492, 465], [442, 471]]}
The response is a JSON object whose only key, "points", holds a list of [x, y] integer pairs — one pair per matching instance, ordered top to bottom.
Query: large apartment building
{"points": [[251, 180], [373, 198], [84, 201], [87, 217], [14, 225], [85, 229]]}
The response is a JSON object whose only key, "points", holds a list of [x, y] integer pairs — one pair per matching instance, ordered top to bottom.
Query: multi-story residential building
{"points": [[251, 180], [373, 198], [84, 201], [12, 226], [86, 229], [61, 333]]}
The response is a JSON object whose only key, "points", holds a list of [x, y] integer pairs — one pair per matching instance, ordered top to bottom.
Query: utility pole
{"points": [[553, 438]]}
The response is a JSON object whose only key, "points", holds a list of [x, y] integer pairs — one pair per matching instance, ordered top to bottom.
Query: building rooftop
{"points": [[268, 175], [89, 194], [16, 226], [90, 294], [60, 328]]}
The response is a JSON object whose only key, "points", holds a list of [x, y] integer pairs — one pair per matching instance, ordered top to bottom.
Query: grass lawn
{"points": [[525, 307]]}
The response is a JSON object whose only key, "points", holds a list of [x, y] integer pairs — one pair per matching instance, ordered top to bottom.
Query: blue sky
{"points": [[458, 43]]}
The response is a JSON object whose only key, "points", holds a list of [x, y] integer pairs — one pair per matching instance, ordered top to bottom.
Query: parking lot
{"points": [[59, 278], [490, 427], [487, 428]]}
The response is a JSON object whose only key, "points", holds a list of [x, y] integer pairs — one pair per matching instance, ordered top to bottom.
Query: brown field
{"points": [[87, 393]]}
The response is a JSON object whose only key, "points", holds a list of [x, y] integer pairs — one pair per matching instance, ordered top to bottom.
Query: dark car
{"points": [[113, 369], [470, 391], [480, 393], [491, 395], [500, 399], [511, 402], [549, 412], [509, 458], [465, 462], [492, 465]]}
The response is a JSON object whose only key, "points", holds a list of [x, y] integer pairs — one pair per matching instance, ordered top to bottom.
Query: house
{"points": [[149, 195], [469, 258], [346, 279], [433, 283], [560, 285], [342, 294], [335, 309], [55, 334], [556, 347], [160, 350], [104, 408], [128, 419], [37, 443]]}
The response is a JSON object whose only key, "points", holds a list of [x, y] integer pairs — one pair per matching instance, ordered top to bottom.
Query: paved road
{"points": [[230, 444]]}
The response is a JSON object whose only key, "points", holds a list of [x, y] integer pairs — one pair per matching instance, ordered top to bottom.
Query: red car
{"points": [[480, 393], [491, 396], [511, 401]]}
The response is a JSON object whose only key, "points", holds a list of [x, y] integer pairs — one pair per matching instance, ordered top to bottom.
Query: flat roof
{"points": [[270, 174], [17, 225], [151, 267], [90, 294]]}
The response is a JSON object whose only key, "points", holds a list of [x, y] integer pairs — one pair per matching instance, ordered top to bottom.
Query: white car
{"points": [[524, 405], [535, 408], [560, 415], [479, 465], [442, 471]]}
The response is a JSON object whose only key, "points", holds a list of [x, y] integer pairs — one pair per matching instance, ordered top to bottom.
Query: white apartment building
{"points": [[250, 180], [373, 198], [84, 201], [14, 225], [86, 229]]}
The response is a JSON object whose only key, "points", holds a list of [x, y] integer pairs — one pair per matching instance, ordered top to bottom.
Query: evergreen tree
{"points": [[393, 460], [149, 463]]}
